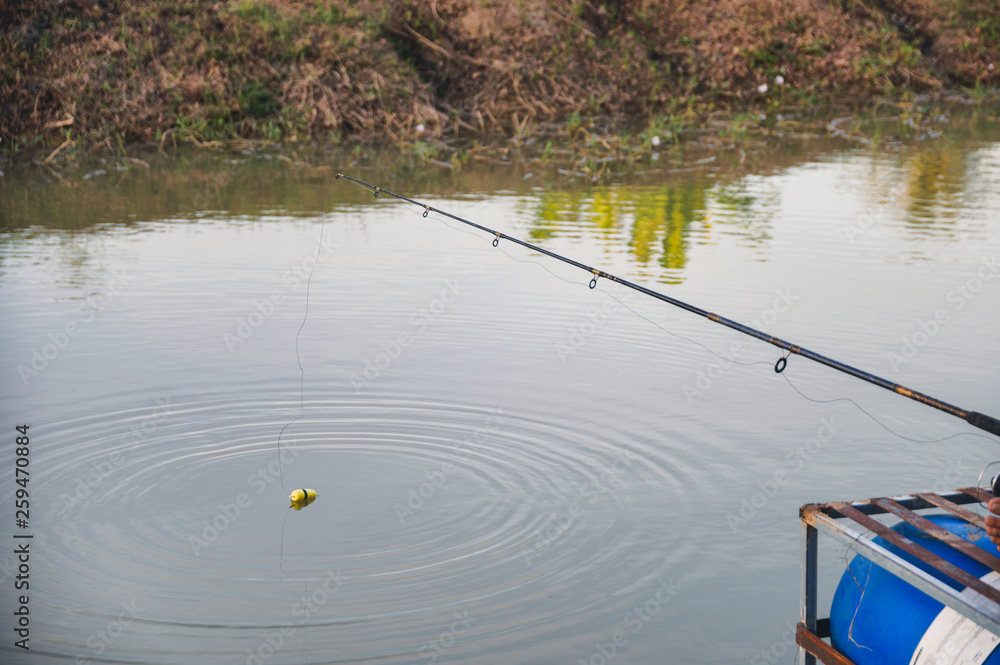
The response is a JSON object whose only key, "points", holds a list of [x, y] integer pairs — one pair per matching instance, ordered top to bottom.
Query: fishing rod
{"points": [[980, 420]]}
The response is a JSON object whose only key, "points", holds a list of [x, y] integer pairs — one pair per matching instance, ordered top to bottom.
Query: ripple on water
{"points": [[426, 509]]}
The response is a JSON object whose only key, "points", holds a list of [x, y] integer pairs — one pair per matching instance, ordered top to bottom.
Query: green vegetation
{"points": [[114, 73]]}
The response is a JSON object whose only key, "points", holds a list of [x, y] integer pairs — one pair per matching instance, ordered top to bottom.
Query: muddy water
{"points": [[511, 467]]}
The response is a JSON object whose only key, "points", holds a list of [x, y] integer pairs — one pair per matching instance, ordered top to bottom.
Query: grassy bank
{"points": [[106, 74]]}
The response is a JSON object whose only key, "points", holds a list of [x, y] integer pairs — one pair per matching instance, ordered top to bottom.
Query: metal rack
{"points": [[837, 519]]}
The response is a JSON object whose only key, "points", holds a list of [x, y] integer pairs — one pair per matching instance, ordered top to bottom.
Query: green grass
{"points": [[270, 69]]}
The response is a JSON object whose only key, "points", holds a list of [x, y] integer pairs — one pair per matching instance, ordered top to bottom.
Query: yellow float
{"points": [[302, 498]]}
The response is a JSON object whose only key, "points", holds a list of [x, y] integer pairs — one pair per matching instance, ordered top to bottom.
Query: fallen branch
{"points": [[60, 123], [68, 143]]}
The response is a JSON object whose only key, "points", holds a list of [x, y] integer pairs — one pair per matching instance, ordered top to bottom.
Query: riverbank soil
{"points": [[108, 73]]}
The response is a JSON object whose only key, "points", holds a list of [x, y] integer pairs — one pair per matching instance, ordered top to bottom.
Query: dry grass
{"points": [[110, 73]]}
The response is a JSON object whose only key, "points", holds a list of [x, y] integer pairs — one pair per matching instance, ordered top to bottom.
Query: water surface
{"points": [[511, 467]]}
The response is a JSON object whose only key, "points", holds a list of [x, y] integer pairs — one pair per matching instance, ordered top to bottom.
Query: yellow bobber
{"points": [[302, 498]]}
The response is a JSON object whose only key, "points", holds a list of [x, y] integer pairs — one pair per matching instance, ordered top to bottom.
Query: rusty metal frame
{"points": [[831, 518]]}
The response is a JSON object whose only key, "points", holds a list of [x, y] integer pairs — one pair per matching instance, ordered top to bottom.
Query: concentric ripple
{"points": [[511, 467], [429, 513]]}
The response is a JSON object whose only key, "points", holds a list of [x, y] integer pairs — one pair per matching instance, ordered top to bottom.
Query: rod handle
{"points": [[983, 422]]}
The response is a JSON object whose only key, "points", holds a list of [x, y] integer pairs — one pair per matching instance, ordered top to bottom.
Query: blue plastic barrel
{"points": [[893, 616]]}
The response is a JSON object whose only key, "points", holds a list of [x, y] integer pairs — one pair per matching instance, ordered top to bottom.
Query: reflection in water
{"points": [[937, 179], [747, 207], [553, 208], [669, 213], [650, 215], [659, 219], [82, 255], [551, 493]]}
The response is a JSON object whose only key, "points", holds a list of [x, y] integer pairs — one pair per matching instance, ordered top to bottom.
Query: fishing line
{"points": [[458, 228], [500, 247], [511, 256], [541, 265], [604, 291], [686, 339], [704, 346], [712, 351], [298, 357], [783, 359], [779, 366], [793, 386], [302, 408], [979, 420], [879, 422], [994, 486], [284, 519], [282, 541], [305, 582], [305, 632]]}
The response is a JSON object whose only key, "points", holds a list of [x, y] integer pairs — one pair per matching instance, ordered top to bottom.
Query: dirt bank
{"points": [[109, 73]]}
